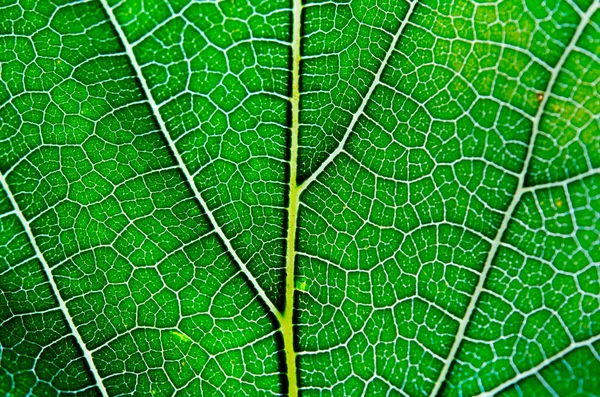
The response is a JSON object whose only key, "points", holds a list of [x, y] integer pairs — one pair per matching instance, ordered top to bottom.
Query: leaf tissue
{"points": [[299, 197]]}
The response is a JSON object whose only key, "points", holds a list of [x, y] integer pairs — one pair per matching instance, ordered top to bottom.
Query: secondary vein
{"points": [[365, 100], [156, 111], [519, 192], [61, 303], [550, 360]]}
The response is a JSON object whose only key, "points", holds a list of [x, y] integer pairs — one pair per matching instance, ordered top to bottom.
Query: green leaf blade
{"points": [[218, 75], [271, 198], [148, 286]]}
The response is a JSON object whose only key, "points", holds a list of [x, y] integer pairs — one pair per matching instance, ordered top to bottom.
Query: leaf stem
{"points": [[287, 320]]}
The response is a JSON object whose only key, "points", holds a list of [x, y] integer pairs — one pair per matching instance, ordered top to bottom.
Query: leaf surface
{"points": [[277, 197]]}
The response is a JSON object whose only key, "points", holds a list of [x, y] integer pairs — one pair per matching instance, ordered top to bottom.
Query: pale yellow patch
{"points": [[302, 285], [181, 336]]}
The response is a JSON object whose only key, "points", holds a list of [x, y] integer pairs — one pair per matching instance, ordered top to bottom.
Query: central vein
{"points": [[287, 320]]}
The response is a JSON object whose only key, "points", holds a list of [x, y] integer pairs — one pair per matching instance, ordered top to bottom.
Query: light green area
{"points": [[393, 198]]}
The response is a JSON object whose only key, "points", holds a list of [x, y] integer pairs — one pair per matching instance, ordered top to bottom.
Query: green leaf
{"points": [[278, 197]]}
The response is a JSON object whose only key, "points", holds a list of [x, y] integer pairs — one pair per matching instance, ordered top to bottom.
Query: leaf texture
{"points": [[316, 198]]}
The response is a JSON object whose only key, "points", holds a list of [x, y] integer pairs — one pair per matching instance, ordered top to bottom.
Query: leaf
{"points": [[232, 197]]}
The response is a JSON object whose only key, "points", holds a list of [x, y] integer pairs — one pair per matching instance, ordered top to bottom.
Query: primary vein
{"points": [[156, 111], [519, 192], [287, 321], [287, 326]]}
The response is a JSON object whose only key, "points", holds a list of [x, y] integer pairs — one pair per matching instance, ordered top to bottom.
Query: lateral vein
{"points": [[365, 100], [175, 152], [564, 182], [519, 191], [61, 303], [532, 371]]}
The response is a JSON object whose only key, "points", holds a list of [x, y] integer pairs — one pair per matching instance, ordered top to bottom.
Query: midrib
{"points": [[295, 190], [287, 320]]}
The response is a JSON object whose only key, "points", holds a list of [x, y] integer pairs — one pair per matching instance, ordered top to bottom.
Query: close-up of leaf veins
{"points": [[309, 198]]}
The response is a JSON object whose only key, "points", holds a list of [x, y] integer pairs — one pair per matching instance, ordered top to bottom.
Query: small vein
{"points": [[364, 102], [155, 110], [564, 182], [520, 190], [61, 303], [542, 365]]}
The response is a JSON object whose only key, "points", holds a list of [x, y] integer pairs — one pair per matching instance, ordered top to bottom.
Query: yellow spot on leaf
{"points": [[555, 108], [588, 136], [559, 203], [302, 284], [181, 336]]}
